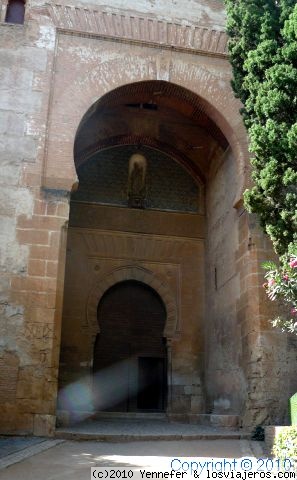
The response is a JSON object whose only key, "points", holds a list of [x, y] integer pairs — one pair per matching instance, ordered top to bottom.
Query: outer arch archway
{"points": [[215, 96], [205, 100]]}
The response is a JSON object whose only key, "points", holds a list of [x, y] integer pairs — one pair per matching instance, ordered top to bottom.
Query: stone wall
{"points": [[54, 68], [29, 241], [269, 356], [249, 365], [226, 385]]}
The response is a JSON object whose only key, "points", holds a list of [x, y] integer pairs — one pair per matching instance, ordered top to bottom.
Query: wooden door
{"points": [[130, 353]]}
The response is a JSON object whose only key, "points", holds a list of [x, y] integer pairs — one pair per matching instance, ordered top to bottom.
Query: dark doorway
{"points": [[130, 352], [151, 379]]}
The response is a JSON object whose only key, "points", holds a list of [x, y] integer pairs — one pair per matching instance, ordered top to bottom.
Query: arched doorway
{"points": [[181, 228], [130, 354]]}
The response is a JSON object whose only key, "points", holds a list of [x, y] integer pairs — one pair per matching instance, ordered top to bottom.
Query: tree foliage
{"points": [[263, 54], [281, 286], [285, 448]]}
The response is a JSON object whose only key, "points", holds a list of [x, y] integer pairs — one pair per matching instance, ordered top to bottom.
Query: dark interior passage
{"points": [[130, 352]]}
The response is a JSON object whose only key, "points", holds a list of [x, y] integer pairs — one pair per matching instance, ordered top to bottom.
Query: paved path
{"points": [[9, 445], [73, 460]]}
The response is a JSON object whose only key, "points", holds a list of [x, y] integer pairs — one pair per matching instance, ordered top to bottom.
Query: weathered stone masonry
{"points": [[60, 64]]}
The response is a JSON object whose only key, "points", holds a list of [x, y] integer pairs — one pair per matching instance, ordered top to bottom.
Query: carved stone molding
{"points": [[139, 29], [132, 273]]}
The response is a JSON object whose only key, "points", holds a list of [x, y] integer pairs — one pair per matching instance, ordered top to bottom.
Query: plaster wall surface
{"points": [[205, 12]]}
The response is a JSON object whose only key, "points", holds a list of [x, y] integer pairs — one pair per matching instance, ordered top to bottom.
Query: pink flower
{"points": [[293, 263], [286, 277], [271, 282], [293, 311]]}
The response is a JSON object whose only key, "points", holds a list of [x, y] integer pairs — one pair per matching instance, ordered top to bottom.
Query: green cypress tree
{"points": [[263, 53]]}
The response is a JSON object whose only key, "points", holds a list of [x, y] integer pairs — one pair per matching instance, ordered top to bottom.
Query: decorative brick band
{"points": [[139, 29], [132, 273]]}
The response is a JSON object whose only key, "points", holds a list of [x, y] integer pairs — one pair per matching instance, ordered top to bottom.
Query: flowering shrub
{"points": [[281, 285], [285, 447]]}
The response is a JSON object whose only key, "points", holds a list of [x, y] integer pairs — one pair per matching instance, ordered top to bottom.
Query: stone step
{"points": [[132, 415], [65, 419], [214, 420], [228, 421], [120, 429], [104, 437]]}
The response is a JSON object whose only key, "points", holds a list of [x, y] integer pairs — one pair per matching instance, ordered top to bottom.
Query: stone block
{"points": [[17, 102], [12, 124], [18, 146], [10, 172], [39, 207], [51, 209], [63, 210], [40, 222], [33, 237], [44, 253], [36, 268], [51, 269], [34, 284], [37, 315], [9, 367], [29, 389], [178, 389], [188, 390], [192, 390], [50, 391], [181, 404], [197, 404], [39, 406], [255, 416], [63, 418], [227, 421], [16, 423], [44, 425]]}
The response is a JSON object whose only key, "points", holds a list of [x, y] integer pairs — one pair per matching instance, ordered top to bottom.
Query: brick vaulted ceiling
{"points": [[154, 113]]}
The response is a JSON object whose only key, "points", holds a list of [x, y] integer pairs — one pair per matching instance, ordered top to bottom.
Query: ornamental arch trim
{"points": [[139, 274]]}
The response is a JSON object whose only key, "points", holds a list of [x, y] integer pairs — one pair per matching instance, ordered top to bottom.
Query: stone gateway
{"points": [[130, 270]]}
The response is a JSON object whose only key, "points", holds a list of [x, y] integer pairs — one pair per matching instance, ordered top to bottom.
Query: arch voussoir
{"points": [[132, 273]]}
